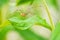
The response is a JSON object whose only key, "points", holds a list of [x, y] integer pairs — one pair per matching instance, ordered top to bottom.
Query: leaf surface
{"points": [[3, 31], [56, 33], [29, 35]]}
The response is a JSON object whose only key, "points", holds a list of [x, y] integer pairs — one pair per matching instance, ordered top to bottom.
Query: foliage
{"points": [[19, 2], [21, 22], [56, 32]]}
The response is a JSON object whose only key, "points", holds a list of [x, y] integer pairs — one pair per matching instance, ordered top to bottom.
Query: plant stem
{"points": [[3, 14], [49, 14], [0, 16]]}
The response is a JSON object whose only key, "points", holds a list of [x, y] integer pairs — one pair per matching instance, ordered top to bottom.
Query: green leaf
{"points": [[2, 2], [19, 2], [53, 3], [3, 10], [25, 22], [29, 22], [42, 22], [22, 24], [3, 31], [56, 33], [29, 35]]}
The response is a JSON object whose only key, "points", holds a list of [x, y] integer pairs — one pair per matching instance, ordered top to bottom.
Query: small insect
{"points": [[23, 14]]}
